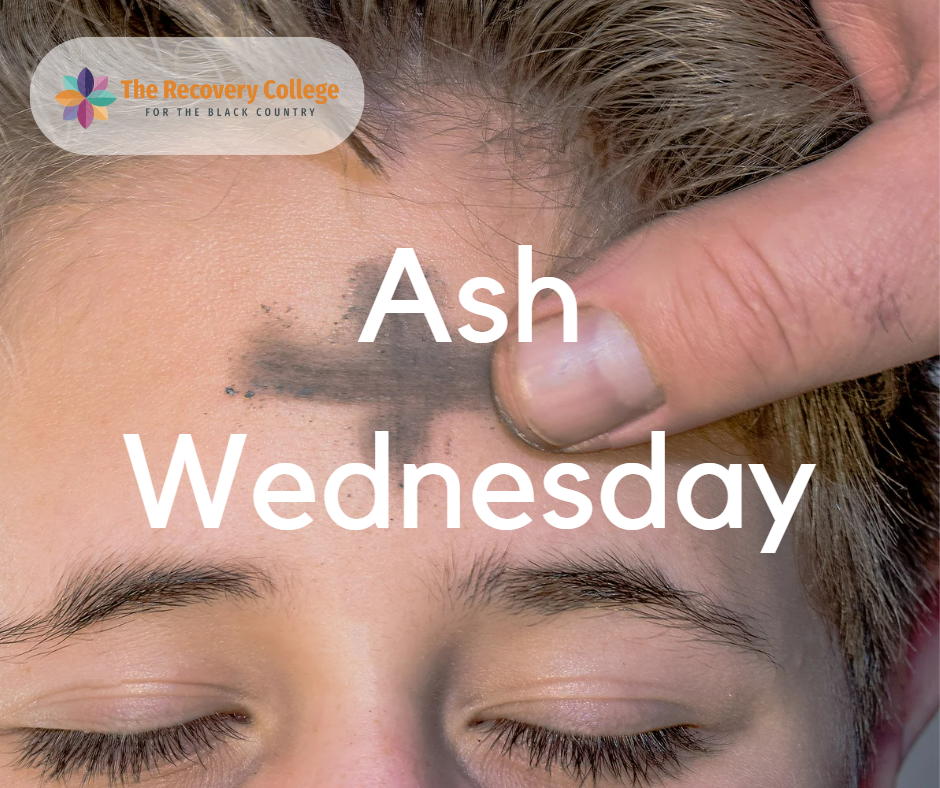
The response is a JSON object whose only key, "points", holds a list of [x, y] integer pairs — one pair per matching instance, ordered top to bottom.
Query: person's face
{"points": [[535, 658]]}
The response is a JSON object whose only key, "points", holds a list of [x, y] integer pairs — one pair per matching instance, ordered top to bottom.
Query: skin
{"points": [[361, 661]]}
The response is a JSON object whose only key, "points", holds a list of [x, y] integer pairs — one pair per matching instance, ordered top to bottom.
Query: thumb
{"points": [[823, 274]]}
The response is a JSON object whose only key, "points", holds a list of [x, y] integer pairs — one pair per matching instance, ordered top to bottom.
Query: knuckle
{"points": [[763, 319]]}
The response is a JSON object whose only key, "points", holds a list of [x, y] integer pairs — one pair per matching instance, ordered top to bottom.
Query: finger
{"points": [[889, 46], [824, 274]]}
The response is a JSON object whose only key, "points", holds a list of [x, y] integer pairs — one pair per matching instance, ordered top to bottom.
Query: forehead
{"points": [[177, 300]]}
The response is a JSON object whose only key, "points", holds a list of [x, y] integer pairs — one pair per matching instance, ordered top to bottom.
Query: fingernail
{"points": [[562, 393]]}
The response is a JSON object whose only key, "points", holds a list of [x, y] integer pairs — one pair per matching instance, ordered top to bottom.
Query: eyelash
{"points": [[123, 758], [630, 760]]}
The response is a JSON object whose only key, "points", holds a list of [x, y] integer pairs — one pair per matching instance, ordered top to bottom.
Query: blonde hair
{"points": [[646, 107]]}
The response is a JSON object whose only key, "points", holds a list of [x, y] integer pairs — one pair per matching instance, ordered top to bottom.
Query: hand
{"points": [[823, 274]]}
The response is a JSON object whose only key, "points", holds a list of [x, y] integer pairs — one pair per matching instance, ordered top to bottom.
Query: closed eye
{"points": [[122, 758], [634, 760]]}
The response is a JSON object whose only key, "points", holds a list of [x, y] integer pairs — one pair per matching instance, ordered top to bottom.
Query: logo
{"points": [[191, 96], [85, 98]]}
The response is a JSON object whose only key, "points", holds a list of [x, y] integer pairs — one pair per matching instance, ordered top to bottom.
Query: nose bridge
{"points": [[374, 721], [382, 742], [383, 752]]}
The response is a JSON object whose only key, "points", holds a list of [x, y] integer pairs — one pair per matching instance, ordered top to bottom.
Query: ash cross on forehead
{"points": [[404, 376]]}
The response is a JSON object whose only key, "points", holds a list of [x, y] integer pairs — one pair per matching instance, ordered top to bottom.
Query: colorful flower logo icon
{"points": [[85, 98]]}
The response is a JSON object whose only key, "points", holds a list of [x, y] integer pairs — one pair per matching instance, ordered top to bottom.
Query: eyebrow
{"points": [[604, 583], [110, 592], [113, 592]]}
